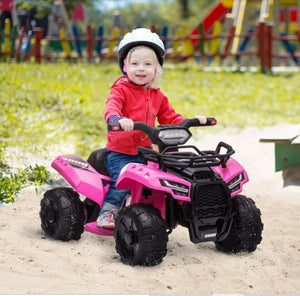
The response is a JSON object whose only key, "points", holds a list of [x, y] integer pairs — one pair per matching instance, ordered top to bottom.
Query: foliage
{"points": [[42, 11], [160, 14], [11, 183]]}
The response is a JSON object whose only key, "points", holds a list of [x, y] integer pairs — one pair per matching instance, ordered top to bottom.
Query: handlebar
{"points": [[138, 125], [153, 132]]}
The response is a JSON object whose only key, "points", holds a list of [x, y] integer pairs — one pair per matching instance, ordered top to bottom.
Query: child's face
{"points": [[141, 64]]}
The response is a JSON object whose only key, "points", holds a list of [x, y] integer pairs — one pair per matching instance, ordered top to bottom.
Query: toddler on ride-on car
{"points": [[134, 97]]}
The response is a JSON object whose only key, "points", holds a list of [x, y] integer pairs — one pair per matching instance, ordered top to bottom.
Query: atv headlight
{"points": [[174, 136], [235, 183], [177, 188]]}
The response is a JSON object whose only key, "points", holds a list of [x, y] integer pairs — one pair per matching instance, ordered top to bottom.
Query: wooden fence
{"points": [[25, 46]]}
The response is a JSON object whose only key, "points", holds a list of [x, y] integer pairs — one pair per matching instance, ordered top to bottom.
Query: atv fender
{"points": [[232, 170], [135, 175], [82, 177]]}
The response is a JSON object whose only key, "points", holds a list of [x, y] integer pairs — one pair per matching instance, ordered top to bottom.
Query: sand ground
{"points": [[32, 263]]}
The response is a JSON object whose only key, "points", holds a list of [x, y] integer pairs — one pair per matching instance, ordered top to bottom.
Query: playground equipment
{"points": [[274, 11], [225, 36]]}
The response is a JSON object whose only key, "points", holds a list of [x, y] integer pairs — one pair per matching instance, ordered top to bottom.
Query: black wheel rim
{"points": [[128, 236]]}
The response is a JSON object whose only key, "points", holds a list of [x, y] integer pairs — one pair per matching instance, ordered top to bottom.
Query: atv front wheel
{"points": [[62, 214], [246, 229], [140, 235]]}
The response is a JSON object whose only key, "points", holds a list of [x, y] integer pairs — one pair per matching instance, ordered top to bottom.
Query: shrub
{"points": [[12, 182]]}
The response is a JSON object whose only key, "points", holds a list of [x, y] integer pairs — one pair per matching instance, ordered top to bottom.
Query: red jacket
{"points": [[134, 102]]}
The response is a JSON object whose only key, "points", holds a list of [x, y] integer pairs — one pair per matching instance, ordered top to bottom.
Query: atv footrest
{"points": [[92, 227]]}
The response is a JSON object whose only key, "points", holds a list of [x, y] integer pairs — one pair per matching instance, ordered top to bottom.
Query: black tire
{"points": [[92, 210], [62, 214], [246, 230], [140, 235]]}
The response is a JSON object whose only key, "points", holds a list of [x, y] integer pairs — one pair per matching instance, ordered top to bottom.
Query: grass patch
{"points": [[58, 103]]}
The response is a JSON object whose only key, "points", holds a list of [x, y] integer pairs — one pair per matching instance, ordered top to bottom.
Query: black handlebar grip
{"points": [[211, 121], [195, 122], [114, 127]]}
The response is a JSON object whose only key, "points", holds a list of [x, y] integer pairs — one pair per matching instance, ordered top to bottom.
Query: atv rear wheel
{"points": [[62, 214], [246, 229], [140, 235]]}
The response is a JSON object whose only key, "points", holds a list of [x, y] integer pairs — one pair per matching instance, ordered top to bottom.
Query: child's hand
{"points": [[202, 119], [126, 124]]}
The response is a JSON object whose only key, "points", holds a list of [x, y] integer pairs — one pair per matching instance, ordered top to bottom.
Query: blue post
{"points": [[164, 34], [77, 41], [99, 43], [26, 45], [244, 45], [289, 48]]}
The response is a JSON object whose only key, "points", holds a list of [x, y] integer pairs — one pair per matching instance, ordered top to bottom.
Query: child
{"points": [[134, 97]]}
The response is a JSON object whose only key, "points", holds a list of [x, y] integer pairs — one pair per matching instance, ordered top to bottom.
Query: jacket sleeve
{"points": [[114, 104], [167, 114]]}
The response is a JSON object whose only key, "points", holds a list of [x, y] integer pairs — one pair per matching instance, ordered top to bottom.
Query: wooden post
{"points": [[298, 15], [276, 21], [38, 34], [298, 36], [264, 39], [89, 43], [228, 43], [261, 46], [268, 49]]}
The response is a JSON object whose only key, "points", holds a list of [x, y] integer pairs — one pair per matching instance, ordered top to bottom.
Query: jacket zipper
{"points": [[147, 106], [147, 113]]}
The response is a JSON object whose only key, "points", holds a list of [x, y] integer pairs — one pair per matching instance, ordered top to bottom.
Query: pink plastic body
{"points": [[232, 170], [82, 177], [135, 177], [86, 181]]}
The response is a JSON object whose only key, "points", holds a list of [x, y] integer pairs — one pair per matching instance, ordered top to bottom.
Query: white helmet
{"points": [[140, 36]]}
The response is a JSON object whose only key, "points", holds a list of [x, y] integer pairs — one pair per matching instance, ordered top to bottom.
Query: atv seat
{"points": [[96, 160]]}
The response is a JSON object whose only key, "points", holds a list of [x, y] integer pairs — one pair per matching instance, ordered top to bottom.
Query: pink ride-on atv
{"points": [[179, 185]]}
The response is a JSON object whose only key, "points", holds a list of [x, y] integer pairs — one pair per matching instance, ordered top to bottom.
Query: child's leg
{"points": [[114, 162]]}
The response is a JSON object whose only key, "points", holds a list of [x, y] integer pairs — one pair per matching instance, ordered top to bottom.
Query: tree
{"points": [[44, 8], [184, 8]]}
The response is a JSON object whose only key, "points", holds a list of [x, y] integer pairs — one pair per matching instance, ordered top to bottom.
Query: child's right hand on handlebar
{"points": [[126, 124]]}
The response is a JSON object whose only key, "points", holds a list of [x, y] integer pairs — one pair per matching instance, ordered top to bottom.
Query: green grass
{"points": [[235, 99], [56, 103]]}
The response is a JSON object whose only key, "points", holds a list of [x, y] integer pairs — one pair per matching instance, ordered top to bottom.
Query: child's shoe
{"points": [[107, 216]]}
